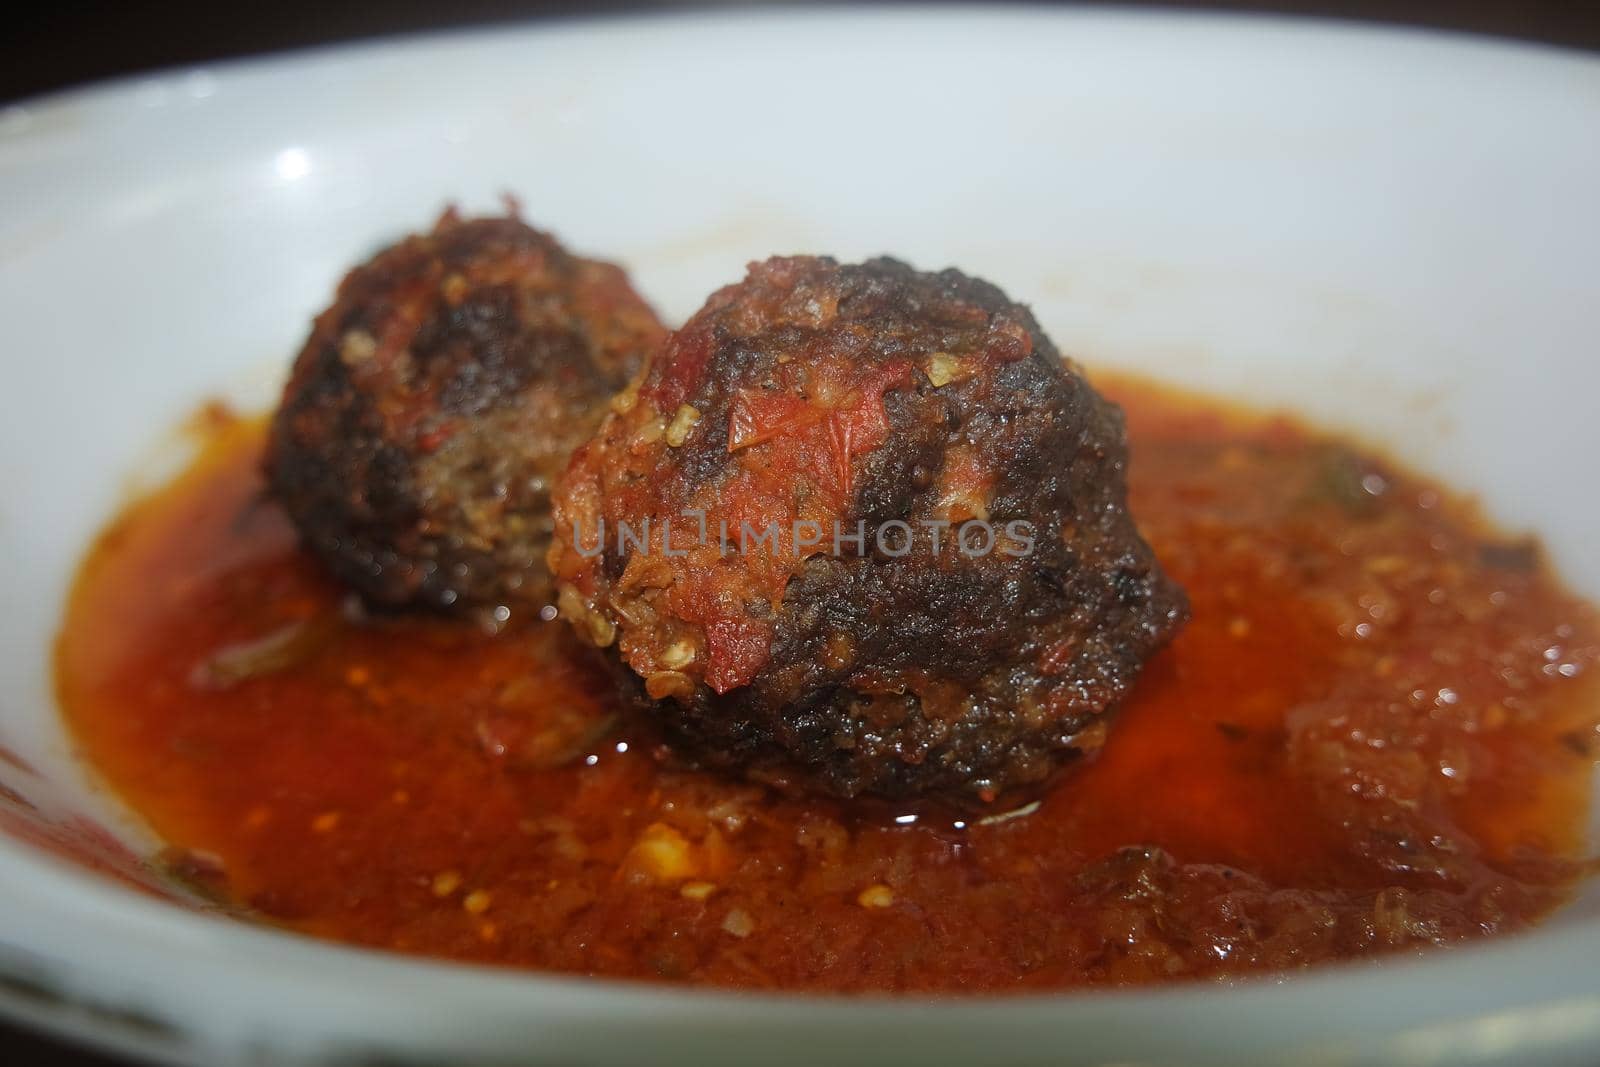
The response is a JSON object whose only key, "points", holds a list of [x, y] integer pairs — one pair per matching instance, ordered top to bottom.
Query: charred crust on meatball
{"points": [[814, 392], [435, 402]]}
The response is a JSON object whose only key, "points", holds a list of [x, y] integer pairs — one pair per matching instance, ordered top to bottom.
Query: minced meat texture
{"points": [[435, 402], [887, 549]]}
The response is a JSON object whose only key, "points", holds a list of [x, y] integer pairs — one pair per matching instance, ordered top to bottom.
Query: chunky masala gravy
{"points": [[1376, 734]]}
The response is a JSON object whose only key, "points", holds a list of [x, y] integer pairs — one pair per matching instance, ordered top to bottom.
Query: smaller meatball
{"points": [[435, 402], [863, 528]]}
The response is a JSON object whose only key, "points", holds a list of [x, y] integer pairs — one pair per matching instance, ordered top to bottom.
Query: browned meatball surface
{"points": [[436, 400], [863, 528]]}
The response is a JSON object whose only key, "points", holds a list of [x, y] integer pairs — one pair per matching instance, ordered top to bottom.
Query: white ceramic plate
{"points": [[1396, 233]]}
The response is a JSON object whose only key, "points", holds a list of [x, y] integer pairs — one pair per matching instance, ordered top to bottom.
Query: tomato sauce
{"points": [[1377, 734]]}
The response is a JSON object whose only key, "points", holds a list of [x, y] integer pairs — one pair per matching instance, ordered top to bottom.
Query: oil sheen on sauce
{"points": [[1376, 734]]}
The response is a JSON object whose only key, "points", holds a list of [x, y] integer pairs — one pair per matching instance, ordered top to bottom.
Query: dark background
{"points": [[67, 43]]}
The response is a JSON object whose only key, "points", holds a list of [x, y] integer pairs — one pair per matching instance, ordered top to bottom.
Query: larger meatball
{"points": [[436, 401], [863, 528]]}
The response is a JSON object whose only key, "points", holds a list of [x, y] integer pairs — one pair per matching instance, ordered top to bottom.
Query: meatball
{"points": [[436, 401], [863, 529]]}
